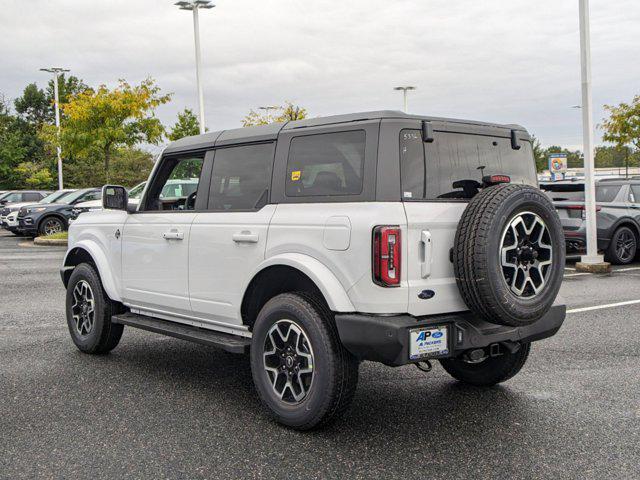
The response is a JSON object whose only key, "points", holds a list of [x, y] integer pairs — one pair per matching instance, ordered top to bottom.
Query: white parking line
{"points": [[570, 268], [626, 269], [576, 274], [600, 307]]}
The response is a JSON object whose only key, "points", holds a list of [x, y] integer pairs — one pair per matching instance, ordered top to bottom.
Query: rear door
{"points": [[434, 206], [228, 240]]}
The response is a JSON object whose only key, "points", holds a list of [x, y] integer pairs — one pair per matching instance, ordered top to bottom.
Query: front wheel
{"points": [[51, 226], [623, 247], [89, 312], [490, 370], [303, 374]]}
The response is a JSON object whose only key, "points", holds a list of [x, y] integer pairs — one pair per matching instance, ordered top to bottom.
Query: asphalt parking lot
{"points": [[163, 408]]}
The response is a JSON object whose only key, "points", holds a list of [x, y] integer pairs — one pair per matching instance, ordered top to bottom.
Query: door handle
{"points": [[173, 234], [245, 237], [425, 241]]}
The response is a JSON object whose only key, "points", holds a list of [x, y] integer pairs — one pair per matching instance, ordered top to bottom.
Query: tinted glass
{"points": [[455, 157], [326, 164], [241, 177], [136, 192], [607, 193], [635, 193], [73, 196], [31, 197], [53, 197]]}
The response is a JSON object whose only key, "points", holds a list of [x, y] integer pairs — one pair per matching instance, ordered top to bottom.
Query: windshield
{"points": [[136, 191], [55, 196], [73, 196]]}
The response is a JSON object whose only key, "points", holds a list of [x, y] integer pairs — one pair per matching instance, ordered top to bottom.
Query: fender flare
{"points": [[65, 221], [99, 258], [328, 284]]}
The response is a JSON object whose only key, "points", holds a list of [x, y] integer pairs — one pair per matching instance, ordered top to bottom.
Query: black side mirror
{"points": [[115, 197]]}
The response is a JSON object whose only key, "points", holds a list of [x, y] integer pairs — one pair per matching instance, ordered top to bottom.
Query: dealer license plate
{"points": [[428, 342]]}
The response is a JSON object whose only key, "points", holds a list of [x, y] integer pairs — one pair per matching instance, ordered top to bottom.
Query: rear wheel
{"points": [[51, 225], [623, 246], [89, 312], [490, 370], [303, 374]]}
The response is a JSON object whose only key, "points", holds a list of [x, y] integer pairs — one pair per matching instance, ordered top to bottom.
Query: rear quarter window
{"points": [[326, 164], [607, 193]]}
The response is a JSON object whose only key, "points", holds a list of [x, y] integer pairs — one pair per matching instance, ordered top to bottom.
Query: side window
{"points": [[326, 164], [412, 171], [241, 177], [175, 184], [607, 193], [634, 194], [94, 195], [31, 197]]}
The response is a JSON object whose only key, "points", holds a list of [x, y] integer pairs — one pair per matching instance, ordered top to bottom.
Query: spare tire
{"points": [[509, 254]]}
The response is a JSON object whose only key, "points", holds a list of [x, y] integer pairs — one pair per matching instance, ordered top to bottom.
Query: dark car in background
{"points": [[9, 212], [617, 216], [47, 219]]}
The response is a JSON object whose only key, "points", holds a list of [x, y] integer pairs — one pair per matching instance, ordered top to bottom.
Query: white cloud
{"points": [[496, 60]]}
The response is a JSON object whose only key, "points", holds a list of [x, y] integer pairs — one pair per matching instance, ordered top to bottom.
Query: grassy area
{"points": [[57, 236]]}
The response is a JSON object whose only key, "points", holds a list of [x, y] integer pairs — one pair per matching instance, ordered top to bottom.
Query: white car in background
{"points": [[173, 189]]}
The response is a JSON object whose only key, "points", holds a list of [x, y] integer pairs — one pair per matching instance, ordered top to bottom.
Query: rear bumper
{"points": [[386, 339]]}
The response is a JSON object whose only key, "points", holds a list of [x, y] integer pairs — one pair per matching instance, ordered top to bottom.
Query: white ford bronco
{"points": [[316, 244]]}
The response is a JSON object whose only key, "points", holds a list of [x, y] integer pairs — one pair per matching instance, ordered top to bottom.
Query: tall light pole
{"points": [[194, 6], [57, 71], [405, 89], [591, 259]]}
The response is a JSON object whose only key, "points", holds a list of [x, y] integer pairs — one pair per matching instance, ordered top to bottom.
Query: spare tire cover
{"points": [[509, 254]]}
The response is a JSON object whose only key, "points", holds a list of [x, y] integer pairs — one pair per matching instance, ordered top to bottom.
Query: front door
{"points": [[155, 239], [228, 241]]}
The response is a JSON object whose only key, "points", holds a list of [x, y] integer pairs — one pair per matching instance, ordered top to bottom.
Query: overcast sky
{"points": [[510, 61]]}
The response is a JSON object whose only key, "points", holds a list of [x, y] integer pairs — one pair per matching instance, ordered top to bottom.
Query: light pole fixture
{"points": [[194, 6], [57, 71], [404, 90], [592, 257]]}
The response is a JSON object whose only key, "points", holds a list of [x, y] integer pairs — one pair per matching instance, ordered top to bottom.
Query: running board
{"points": [[226, 341]]}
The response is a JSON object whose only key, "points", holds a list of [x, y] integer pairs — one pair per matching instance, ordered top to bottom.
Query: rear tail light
{"points": [[582, 208], [387, 256]]}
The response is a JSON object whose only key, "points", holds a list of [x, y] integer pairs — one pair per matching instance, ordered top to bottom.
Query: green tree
{"points": [[34, 106], [284, 113], [100, 121], [186, 125], [622, 128], [539, 154]]}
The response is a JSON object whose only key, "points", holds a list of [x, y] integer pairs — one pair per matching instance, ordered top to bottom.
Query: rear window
{"points": [[326, 164], [429, 170]]}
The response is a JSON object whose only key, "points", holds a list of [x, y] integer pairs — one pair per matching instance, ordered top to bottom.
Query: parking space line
{"points": [[570, 268], [626, 269], [576, 274], [600, 307]]}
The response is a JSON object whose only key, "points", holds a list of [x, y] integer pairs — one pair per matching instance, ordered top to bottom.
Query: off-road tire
{"points": [[476, 254], [613, 254], [104, 335], [491, 371], [335, 374]]}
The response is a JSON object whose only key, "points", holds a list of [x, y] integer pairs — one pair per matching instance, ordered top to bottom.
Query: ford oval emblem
{"points": [[426, 294]]}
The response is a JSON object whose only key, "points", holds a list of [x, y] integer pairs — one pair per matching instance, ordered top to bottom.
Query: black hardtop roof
{"points": [[270, 132]]}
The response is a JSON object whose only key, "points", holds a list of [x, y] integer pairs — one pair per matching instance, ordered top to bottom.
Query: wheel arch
{"points": [[88, 252], [291, 273]]}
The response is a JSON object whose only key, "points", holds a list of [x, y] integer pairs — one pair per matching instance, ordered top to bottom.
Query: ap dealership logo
{"points": [[424, 335]]}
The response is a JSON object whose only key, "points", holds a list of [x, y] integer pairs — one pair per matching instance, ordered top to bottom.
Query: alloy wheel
{"points": [[51, 226], [625, 245], [526, 254], [83, 308], [288, 361]]}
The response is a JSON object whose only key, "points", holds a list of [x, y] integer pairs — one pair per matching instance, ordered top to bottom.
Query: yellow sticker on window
{"points": [[295, 175]]}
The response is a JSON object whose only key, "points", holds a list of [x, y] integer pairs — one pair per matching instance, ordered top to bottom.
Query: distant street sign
{"points": [[557, 165]]}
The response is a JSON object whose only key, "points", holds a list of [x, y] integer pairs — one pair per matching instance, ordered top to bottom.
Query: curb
{"points": [[50, 241], [601, 267]]}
